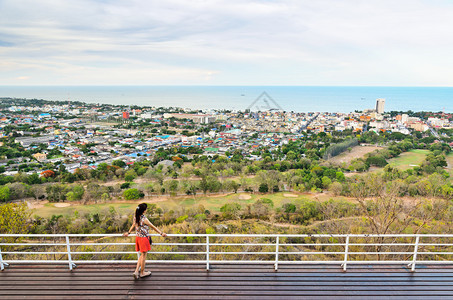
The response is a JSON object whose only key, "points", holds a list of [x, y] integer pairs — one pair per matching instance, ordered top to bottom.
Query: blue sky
{"points": [[226, 42]]}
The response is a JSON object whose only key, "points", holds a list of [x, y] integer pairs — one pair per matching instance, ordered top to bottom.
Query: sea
{"points": [[342, 99]]}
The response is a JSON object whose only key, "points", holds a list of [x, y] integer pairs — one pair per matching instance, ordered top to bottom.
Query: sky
{"points": [[226, 42]]}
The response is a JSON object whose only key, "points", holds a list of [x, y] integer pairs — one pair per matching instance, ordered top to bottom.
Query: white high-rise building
{"points": [[380, 103], [404, 118]]}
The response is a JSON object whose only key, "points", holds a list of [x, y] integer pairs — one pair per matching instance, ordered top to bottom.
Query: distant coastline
{"points": [[291, 98]]}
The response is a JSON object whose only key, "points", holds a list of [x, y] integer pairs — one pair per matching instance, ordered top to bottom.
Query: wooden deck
{"points": [[176, 281]]}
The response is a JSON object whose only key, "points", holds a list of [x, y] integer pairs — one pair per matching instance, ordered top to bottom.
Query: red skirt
{"points": [[142, 244]]}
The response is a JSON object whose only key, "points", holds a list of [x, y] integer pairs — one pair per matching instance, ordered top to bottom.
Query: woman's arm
{"points": [[147, 222], [129, 231]]}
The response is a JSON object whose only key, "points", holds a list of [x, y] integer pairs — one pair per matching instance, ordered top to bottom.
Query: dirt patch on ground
{"points": [[356, 152], [290, 195], [245, 197], [154, 199], [36, 204], [62, 204]]}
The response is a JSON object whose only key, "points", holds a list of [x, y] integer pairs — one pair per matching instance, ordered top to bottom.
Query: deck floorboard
{"points": [[192, 281]]}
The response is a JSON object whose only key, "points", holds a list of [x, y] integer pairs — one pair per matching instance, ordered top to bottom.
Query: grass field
{"points": [[409, 159], [450, 160], [450, 165], [212, 203]]}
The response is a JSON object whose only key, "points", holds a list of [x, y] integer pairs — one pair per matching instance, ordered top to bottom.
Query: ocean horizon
{"points": [[342, 99]]}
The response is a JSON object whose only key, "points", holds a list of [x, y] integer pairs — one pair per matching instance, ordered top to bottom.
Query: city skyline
{"points": [[354, 43]]}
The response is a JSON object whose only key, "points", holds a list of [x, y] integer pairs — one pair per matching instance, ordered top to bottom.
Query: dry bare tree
{"points": [[388, 213]]}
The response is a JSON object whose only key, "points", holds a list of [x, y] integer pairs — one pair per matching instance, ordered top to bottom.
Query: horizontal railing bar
{"points": [[236, 235], [32, 244], [101, 244], [129, 244], [178, 244], [202, 244], [214, 244], [237, 244], [339, 244], [350, 244], [384, 244], [446, 245], [100, 252], [129, 252], [230, 252], [350, 252], [35, 253], [381, 253], [444, 253], [39, 261], [135, 261], [315, 262], [404, 262]]}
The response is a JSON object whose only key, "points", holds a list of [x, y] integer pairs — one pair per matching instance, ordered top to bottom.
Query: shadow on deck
{"points": [[181, 281]]}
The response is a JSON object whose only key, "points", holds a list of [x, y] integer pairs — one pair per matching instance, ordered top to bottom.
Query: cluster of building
{"points": [[83, 136]]}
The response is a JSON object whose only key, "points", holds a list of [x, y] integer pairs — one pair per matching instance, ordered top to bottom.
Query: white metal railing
{"points": [[218, 248]]}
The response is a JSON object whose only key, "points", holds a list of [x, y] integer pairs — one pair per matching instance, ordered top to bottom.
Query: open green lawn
{"points": [[409, 159], [450, 160], [450, 165], [212, 203], [49, 209]]}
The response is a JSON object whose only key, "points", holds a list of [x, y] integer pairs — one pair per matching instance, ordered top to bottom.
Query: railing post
{"points": [[277, 242], [68, 247], [346, 250], [207, 253], [414, 256], [2, 263]]}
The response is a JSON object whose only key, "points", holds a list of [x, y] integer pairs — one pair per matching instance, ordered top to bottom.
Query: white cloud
{"points": [[324, 42]]}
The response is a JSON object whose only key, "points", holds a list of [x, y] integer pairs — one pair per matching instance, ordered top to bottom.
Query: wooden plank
{"points": [[233, 268], [242, 271], [226, 274], [242, 279], [114, 281], [128, 281], [226, 287], [233, 292], [299, 293], [67, 296], [206, 297], [264, 297]]}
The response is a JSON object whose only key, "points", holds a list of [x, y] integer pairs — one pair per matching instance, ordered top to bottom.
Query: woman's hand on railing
{"points": [[126, 234], [163, 234]]}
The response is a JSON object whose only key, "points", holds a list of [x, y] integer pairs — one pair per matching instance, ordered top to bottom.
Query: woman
{"points": [[142, 240]]}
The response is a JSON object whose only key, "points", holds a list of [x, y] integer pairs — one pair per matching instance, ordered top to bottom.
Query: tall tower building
{"points": [[380, 103]]}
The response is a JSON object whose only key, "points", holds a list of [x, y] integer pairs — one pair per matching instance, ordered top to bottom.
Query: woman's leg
{"points": [[142, 262], [139, 263]]}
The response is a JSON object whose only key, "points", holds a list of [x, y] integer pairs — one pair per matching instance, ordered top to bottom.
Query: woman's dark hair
{"points": [[139, 211]]}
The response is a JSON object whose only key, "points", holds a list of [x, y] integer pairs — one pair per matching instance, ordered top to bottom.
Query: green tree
{"points": [[119, 163], [130, 175], [340, 176], [33, 179], [326, 182], [263, 188], [336, 188], [5, 193], [76, 193], [132, 194], [289, 208], [231, 210], [14, 218]]}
